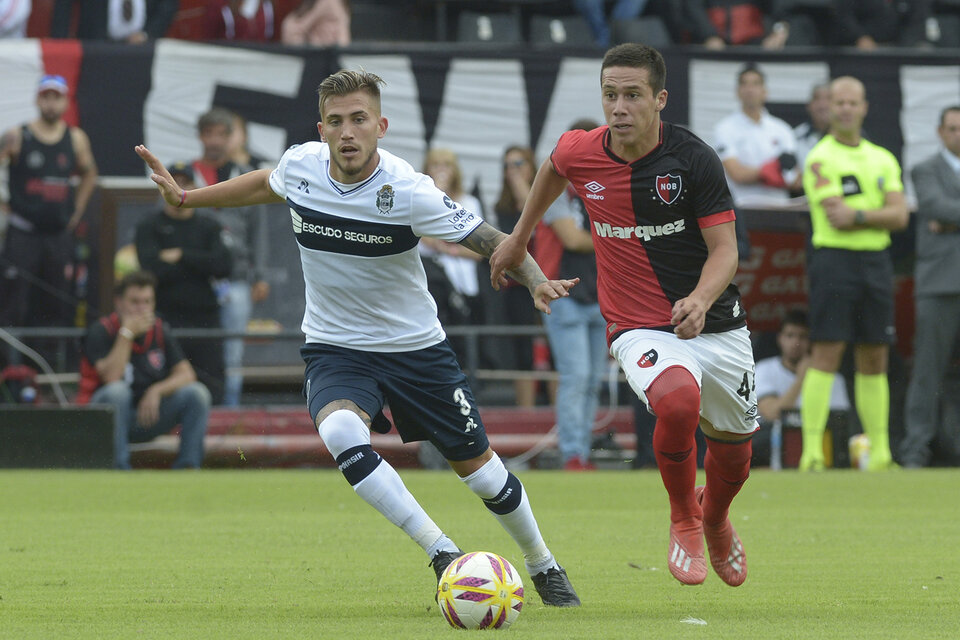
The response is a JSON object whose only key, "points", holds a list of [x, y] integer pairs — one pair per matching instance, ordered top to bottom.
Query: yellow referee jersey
{"points": [[862, 175]]}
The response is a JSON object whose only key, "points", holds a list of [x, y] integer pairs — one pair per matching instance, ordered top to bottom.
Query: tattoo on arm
{"points": [[485, 238]]}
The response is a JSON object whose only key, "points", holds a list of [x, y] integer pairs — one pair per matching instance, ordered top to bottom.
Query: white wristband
{"points": [[126, 333]]}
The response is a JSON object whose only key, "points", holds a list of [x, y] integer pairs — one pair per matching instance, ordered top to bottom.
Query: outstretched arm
{"points": [[547, 187], [246, 189], [485, 238]]}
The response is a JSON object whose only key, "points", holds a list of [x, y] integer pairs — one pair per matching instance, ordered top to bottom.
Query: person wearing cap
{"points": [[43, 209], [185, 250]]}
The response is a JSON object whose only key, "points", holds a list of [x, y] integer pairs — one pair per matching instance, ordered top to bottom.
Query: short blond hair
{"points": [[347, 81]]}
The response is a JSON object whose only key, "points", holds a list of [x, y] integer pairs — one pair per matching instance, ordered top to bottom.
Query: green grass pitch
{"points": [[295, 554]]}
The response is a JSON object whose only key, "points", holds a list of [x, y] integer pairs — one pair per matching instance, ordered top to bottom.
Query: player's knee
{"points": [[674, 397], [343, 430]]}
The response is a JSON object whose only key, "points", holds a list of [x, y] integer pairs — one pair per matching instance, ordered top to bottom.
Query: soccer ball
{"points": [[480, 590]]}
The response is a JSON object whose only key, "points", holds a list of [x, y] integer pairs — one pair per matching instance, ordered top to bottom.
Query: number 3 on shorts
{"points": [[461, 398]]}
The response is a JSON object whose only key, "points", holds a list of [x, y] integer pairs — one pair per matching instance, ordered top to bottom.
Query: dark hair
{"points": [[639, 56], [751, 67], [345, 82], [943, 114], [214, 117], [584, 124], [506, 203], [135, 279], [795, 317]]}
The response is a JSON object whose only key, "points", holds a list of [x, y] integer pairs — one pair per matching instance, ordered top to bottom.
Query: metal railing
{"points": [[281, 371]]}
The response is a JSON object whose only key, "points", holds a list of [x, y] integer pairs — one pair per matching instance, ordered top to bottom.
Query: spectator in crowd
{"points": [[594, 13], [14, 15], [247, 20], [131, 21], [317, 23], [718, 23], [867, 24], [808, 133], [238, 144], [758, 150], [936, 181], [856, 199], [43, 210], [245, 233], [185, 251], [455, 284], [510, 308], [575, 326], [133, 363], [780, 378]]}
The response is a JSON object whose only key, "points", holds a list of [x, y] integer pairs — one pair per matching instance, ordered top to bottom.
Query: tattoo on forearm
{"points": [[485, 238], [528, 273]]}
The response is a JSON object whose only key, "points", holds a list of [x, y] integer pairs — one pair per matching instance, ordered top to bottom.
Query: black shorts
{"points": [[851, 296], [428, 394]]}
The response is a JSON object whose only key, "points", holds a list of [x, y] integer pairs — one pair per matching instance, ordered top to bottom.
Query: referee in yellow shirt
{"points": [[855, 194]]}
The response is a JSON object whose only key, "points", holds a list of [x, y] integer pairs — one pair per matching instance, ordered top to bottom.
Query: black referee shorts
{"points": [[851, 296], [428, 394]]}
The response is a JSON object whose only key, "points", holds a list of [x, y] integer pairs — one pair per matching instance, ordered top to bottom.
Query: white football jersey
{"points": [[365, 284]]}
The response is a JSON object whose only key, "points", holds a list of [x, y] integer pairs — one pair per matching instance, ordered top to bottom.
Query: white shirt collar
{"points": [[952, 160]]}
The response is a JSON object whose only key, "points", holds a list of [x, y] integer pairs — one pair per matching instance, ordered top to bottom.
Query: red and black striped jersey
{"points": [[646, 217]]}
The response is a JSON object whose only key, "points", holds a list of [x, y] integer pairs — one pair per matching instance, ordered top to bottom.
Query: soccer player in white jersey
{"points": [[372, 333]]}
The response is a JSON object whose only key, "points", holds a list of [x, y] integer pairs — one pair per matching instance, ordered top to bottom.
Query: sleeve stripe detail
{"points": [[716, 218]]}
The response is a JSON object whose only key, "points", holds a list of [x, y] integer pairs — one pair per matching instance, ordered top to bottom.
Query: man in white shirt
{"points": [[758, 150], [372, 331]]}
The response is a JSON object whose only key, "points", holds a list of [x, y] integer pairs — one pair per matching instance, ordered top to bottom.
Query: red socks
{"points": [[674, 397], [727, 466]]}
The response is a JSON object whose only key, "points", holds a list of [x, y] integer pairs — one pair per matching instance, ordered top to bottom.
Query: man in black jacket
{"points": [[185, 251]]}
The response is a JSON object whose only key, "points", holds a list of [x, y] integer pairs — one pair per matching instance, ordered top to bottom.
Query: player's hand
{"points": [[169, 189], [838, 213], [509, 254], [547, 292], [688, 317], [148, 411]]}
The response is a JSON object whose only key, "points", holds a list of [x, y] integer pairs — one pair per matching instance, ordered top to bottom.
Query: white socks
{"points": [[503, 494]]}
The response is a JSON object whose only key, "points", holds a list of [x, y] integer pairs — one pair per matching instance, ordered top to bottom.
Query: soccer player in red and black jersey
{"points": [[662, 222]]}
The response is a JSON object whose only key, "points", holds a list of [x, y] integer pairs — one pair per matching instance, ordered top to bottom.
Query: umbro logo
{"points": [[594, 188]]}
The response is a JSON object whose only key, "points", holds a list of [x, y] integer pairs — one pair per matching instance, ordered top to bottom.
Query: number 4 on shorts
{"points": [[746, 386]]}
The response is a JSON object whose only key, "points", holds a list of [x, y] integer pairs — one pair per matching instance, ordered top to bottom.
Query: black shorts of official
{"points": [[851, 296], [427, 393]]}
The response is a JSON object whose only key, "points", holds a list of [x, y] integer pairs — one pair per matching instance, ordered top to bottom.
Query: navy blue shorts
{"points": [[851, 296], [427, 393]]}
